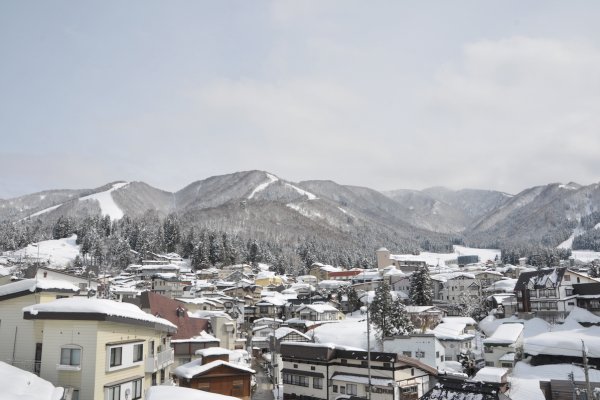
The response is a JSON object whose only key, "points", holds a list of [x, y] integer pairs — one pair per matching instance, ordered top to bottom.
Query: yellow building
{"points": [[104, 350]]}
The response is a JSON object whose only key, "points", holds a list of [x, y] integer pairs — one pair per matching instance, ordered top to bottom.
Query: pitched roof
{"points": [[540, 279], [167, 308], [196, 368], [457, 389]]}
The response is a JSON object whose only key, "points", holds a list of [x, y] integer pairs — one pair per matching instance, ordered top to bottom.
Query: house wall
{"points": [[17, 335], [427, 346], [95, 374]]}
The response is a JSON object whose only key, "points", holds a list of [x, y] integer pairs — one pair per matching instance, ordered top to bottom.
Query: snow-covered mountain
{"points": [[264, 205]]}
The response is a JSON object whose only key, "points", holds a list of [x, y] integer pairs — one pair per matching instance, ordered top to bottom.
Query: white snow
{"points": [[263, 186], [302, 192], [107, 203], [44, 211], [304, 211], [58, 252], [585, 255], [441, 259], [33, 284], [98, 306], [351, 332], [506, 334], [565, 342], [213, 351], [196, 367], [491, 374], [524, 382], [17, 384], [182, 393]]}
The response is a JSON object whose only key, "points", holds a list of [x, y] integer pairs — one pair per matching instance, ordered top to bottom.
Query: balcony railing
{"points": [[160, 360]]}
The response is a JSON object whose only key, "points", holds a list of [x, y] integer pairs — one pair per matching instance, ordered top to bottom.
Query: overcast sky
{"points": [[483, 94]]}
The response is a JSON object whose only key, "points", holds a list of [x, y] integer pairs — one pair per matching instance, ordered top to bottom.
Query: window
{"points": [[567, 277], [568, 291], [61, 296], [488, 349], [138, 352], [407, 353], [419, 354], [437, 354], [70, 356], [116, 356], [344, 361], [489, 363], [364, 364], [295, 365], [386, 365], [312, 367], [412, 372], [162, 375], [298, 380], [318, 383], [351, 388], [137, 389], [335, 389], [343, 389], [114, 393], [75, 394]]}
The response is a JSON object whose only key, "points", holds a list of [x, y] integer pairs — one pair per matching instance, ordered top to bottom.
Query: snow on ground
{"points": [[263, 186], [302, 192], [107, 203], [44, 211], [303, 211], [58, 252], [585, 255], [435, 259], [351, 332], [524, 383], [17, 384]]}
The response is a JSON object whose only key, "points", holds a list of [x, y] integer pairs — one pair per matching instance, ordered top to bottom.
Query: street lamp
{"points": [[365, 309]]}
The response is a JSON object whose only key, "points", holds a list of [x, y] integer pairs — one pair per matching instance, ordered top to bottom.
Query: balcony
{"points": [[160, 361]]}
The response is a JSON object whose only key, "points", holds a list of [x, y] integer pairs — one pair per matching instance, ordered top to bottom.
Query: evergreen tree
{"points": [[421, 288], [388, 315]]}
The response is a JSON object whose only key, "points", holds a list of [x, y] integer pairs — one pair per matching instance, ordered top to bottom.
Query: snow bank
{"points": [[578, 314], [506, 334], [17, 384]]}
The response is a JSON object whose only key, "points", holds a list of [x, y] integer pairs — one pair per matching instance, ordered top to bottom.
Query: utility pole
{"points": [[586, 371]]}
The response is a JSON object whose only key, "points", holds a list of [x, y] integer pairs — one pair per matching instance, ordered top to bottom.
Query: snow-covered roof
{"points": [[446, 276], [33, 285], [504, 285], [274, 300], [96, 306], [318, 308], [578, 314], [284, 331], [451, 331], [506, 334], [201, 338], [565, 342], [213, 351], [196, 367], [491, 374], [18, 384], [182, 393]]}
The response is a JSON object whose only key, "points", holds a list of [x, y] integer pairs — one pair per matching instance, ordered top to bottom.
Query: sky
{"points": [[499, 95]]}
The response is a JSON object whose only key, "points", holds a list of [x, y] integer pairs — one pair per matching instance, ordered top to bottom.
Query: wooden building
{"points": [[214, 373]]}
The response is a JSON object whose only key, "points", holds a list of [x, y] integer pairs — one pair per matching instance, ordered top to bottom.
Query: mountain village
{"points": [[474, 329]]}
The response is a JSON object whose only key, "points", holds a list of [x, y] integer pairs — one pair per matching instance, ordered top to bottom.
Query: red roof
{"points": [[167, 308]]}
